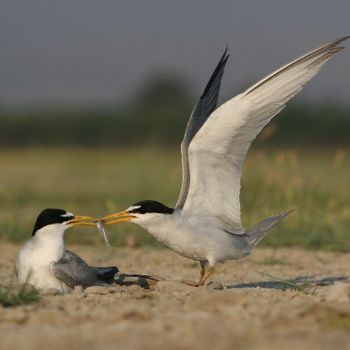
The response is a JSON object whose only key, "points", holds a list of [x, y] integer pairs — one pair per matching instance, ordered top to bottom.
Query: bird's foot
{"points": [[190, 283]]}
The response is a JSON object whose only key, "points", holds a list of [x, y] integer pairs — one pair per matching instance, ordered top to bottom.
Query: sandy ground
{"points": [[251, 312]]}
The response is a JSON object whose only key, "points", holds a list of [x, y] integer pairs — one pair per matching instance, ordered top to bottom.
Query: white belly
{"points": [[199, 239], [213, 246], [33, 266], [42, 278]]}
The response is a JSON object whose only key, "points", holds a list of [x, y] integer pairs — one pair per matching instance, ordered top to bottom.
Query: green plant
{"points": [[298, 285], [10, 297]]}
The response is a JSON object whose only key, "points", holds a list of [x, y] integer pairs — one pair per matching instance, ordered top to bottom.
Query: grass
{"points": [[101, 181], [271, 260], [303, 286], [10, 297], [330, 318], [338, 320]]}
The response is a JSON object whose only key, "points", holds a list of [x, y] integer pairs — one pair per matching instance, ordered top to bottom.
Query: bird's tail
{"points": [[256, 233]]}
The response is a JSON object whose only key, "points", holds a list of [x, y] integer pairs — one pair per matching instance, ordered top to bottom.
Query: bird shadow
{"points": [[300, 283]]}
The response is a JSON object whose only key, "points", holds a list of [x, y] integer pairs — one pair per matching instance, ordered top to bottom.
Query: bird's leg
{"points": [[209, 272], [202, 274], [205, 274], [193, 283]]}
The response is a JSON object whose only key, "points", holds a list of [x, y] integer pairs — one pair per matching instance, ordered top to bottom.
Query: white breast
{"points": [[195, 237], [33, 264]]}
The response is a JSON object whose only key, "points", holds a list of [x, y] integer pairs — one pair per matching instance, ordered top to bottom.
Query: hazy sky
{"points": [[100, 52]]}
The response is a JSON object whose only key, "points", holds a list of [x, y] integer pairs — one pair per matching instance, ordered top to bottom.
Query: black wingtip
{"points": [[340, 40], [226, 49], [218, 70], [107, 272]]}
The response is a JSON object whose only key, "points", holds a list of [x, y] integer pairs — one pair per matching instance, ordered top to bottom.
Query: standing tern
{"points": [[205, 224], [45, 263]]}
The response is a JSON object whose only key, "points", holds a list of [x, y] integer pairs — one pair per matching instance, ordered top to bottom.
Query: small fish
{"points": [[102, 230]]}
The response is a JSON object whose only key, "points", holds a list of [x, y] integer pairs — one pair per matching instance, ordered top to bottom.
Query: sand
{"points": [[253, 311]]}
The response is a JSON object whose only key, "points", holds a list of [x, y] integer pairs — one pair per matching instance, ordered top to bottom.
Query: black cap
{"points": [[149, 206], [51, 216]]}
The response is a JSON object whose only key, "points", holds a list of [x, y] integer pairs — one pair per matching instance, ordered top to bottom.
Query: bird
{"points": [[205, 225], [44, 262]]}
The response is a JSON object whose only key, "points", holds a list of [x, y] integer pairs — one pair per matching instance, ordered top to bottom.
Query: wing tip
{"points": [[346, 37], [334, 42], [225, 51], [328, 51], [218, 69]]}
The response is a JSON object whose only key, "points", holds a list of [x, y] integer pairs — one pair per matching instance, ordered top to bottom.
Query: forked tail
{"points": [[256, 233]]}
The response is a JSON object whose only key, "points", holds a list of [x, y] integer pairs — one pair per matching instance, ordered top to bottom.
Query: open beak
{"points": [[118, 218], [82, 220]]}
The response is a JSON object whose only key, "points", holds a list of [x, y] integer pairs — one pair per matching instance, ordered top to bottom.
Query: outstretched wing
{"points": [[204, 107], [218, 149], [74, 271]]}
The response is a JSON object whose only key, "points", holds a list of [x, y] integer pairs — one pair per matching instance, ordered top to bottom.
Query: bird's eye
{"points": [[67, 216]]}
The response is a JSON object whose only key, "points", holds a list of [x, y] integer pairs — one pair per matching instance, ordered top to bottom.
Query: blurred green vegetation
{"points": [[158, 116], [98, 161], [101, 181], [11, 297]]}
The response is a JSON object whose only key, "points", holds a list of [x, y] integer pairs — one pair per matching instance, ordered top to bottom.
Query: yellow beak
{"points": [[118, 218], [83, 220]]}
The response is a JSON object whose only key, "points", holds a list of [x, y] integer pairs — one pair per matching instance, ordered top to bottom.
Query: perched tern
{"points": [[205, 224], [45, 263]]}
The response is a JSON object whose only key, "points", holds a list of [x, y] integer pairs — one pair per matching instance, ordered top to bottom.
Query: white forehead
{"points": [[133, 207], [67, 215]]}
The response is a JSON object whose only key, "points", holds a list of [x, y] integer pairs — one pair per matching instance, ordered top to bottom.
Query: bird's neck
{"points": [[161, 226], [50, 240]]}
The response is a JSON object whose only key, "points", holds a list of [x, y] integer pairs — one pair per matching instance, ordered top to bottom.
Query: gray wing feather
{"points": [[329, 49], [205, 106], [74, 271]]}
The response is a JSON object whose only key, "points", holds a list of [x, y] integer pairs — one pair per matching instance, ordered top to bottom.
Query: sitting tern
{"points": [[205, 224], [45, 263]]}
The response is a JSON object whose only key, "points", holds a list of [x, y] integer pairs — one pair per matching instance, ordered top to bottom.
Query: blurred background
{"points": [[95, 96]]}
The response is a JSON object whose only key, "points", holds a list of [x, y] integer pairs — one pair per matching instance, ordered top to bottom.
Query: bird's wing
{"points": [[203, 108], [218, 149], [74, 271], [107, 272]]}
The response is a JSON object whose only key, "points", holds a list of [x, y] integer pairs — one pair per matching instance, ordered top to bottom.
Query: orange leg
{"points": [[205, 274], [204, 277], [196, 284]]}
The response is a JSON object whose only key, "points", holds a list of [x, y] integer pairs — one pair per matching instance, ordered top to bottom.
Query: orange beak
{"points": [[118, 218], [82, 220]]}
